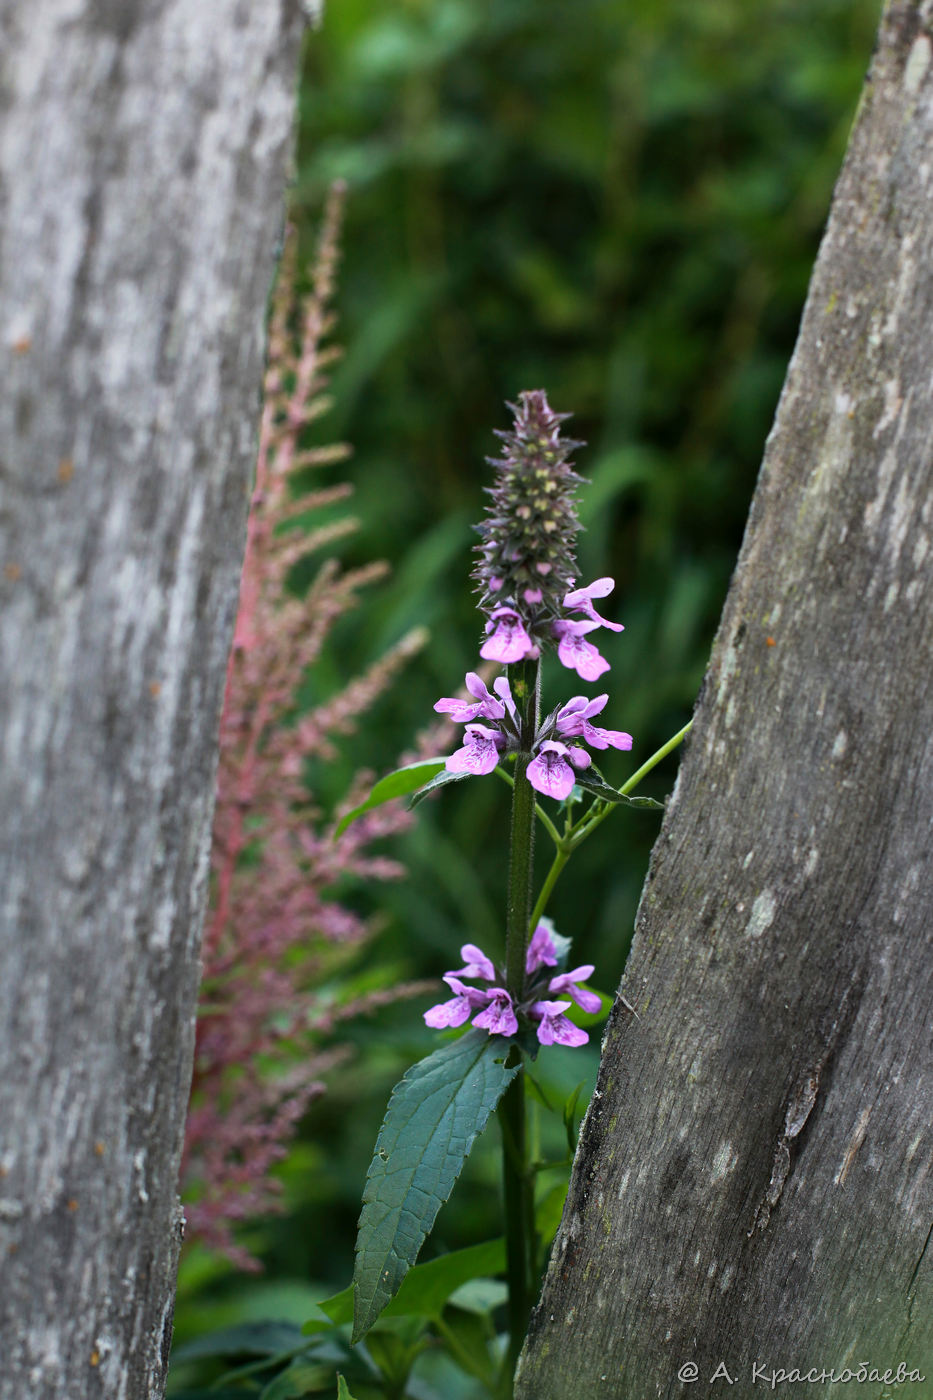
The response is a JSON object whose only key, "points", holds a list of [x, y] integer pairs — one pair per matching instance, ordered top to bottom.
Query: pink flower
{"points": [[582, 600], [507, 641], [575, 652], [485, 704], [574, 719], [480, 752], [550, 772], [541, 951], [477, 964], [567, 983], [459, 1008], [499, 1017], [553, 1027]]}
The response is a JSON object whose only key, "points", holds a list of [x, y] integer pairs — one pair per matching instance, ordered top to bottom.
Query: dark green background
{"points": [[619, 203]]}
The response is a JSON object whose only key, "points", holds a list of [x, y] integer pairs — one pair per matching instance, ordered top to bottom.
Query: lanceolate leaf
{"points": [[441, 780], [593, 781], [397, 784], [434, 1116], [426, 1288]]}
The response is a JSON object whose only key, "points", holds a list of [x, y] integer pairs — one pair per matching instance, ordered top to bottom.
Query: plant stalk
{"points": [[518, 1185]]}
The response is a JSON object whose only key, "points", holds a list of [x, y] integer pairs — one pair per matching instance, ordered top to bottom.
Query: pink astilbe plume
{"points": [[274, 932]]}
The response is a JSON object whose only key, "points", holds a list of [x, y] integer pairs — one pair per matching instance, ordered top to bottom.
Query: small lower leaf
{"points": [[397, 784], [434, 1116], [343, 1391]]}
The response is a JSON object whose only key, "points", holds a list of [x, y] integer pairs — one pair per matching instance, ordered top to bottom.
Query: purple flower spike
{"points": [[582, 599], [507, 641], [575, 652], [484, 703], [480, 752], [551, 772], [541, 951], [477, 964], [567, 983], [459, 1008], [499, 1017], [554, 1028]]}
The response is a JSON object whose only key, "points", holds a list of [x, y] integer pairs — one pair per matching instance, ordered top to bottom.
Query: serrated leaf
{"points": [[440, 781], [593, 781], [397, 784], [434, 1116], [426, 1287]]}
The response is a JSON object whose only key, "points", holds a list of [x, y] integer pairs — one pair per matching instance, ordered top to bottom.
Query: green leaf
{"points": [[440, 781], [593, 781], [397, 784], [434, 1116], [549, 1210], [426, 1288], [480, 1295], [244, 1339], [302, 1378], [343, 1390]]}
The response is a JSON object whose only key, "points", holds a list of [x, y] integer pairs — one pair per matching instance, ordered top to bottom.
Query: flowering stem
{"points": [[525, 683], [540, 813], [517, 1180], [518, 1191]]}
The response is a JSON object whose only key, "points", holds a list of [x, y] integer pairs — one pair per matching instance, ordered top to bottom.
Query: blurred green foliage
{"points": [[618, 203]]}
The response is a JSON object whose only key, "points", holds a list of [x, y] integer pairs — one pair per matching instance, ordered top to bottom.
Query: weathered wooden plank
{"points": [[143, 151], [753, 1183]]}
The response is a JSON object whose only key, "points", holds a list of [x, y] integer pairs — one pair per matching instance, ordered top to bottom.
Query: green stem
{"points": [[655, 759], [540, 813], [581, 830], [561, 857], [521, 862], [518, 1182], [519, 1205]]}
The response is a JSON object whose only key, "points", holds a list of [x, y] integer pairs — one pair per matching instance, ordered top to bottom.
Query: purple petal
{"points": [[582, 598], [508, 641], [579, 655], [504, 691], [460, 711], [615, 738], [480, 752], [551, 774], [541, 951], [477, 964], [567, 983], [448, 1013], [499, 1017], [554, 1028]]}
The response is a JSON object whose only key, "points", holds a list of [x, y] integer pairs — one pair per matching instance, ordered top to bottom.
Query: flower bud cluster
{"points": [[526, 560], [497, 1012]]}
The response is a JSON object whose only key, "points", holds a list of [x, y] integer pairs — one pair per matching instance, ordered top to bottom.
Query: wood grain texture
{"points": [[143, 154], [753, 1182]]}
